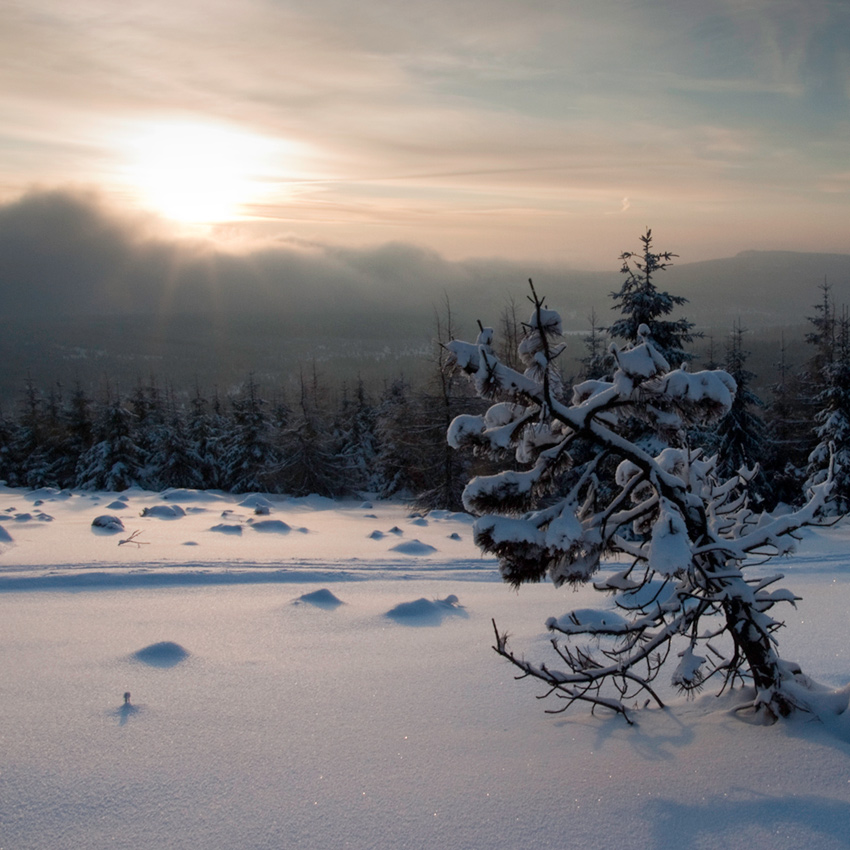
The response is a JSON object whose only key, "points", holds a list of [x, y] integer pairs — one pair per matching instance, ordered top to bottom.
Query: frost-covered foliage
{"points": [[683, 534]]}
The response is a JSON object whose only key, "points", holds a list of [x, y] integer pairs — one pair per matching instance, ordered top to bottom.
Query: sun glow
{"points": [[198, 173]]}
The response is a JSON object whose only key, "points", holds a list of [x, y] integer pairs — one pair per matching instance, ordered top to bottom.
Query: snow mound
{"points": [[48, 494], [183, 494], [255, 501], [316, 502], [117, 505], [164, 511], [451, 515], [25, 517], [419, 521], [107, 522], [272, 526], [227, 528], [376, 535], [454, 536], [5, 537], [413, 547], [320, 599], [426, 612], [584, 617], [166, 653]]}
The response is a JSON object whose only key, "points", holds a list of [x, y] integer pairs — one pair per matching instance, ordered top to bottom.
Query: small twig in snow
{"points": [[132, 539]]}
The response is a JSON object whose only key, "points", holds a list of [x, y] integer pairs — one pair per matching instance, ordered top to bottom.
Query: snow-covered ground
{"points": [[305, 674]]}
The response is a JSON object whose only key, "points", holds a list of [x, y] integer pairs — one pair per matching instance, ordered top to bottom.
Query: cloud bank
{"points": [[70, 254]]}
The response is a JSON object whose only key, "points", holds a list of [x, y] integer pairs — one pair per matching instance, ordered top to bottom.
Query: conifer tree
{"points": [[641, 303], [822, 338], [597, 362], [148, 409], [833, 419], [204, 432], [788, 432], [739, 438], [358, 443], [29, 448], [310, 448], [60, 458], [397, 458], [249, 459], [174, 460], [113, 462], [8, 463], [442, 470], [685, 535]]}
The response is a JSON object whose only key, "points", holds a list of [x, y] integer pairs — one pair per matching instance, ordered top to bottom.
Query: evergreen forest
{"points": [[338, 439]]}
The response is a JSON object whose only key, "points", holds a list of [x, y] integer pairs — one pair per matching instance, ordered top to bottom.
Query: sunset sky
{"points": [[547, 129]]}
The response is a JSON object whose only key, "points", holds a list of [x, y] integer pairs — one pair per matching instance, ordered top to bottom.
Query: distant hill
{"points": [[764, 288]]}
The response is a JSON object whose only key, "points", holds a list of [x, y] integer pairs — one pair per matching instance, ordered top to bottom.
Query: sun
{"points": [[196, 172]]}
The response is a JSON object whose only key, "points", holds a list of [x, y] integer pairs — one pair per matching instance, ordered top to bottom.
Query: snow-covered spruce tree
{"points": [[640, 303], [833, 420], [354, 423], [203, 430], [71, 435], [739, 438], [249, 459], [174, 460], [113, 461], [311, 463], [398, 471], [687, 536]]}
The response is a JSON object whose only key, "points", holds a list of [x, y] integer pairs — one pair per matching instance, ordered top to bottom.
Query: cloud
{"points": [[468, 126], [67, 254]]}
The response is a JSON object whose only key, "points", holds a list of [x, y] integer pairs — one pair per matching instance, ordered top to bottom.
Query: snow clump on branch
{"points": [[585, 490]]}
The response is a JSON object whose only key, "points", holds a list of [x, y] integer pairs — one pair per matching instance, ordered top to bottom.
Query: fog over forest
{"points": [[88, 293]]}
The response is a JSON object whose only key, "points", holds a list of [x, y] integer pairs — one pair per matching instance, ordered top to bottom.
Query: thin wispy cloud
{"points": [[477, 128]]}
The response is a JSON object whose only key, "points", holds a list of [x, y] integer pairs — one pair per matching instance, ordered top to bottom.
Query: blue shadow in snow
{"points": [[121, 581], [681, 826]]}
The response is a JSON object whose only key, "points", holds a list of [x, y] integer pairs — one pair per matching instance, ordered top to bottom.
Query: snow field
{"points": [[385, 721]]}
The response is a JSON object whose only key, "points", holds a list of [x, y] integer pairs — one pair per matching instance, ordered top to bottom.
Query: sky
{"points": [[552, 130]]}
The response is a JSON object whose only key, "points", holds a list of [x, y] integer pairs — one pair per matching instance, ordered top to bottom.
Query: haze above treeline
{"points": [[88, 296]]}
